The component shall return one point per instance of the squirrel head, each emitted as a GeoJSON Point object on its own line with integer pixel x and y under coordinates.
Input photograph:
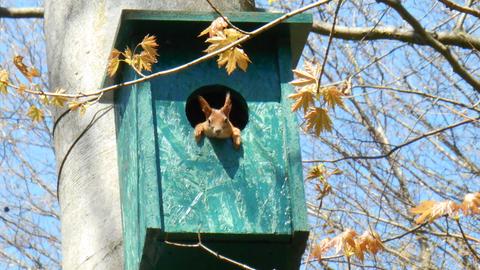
{"type": "Point", "coordinates": [217, 119]}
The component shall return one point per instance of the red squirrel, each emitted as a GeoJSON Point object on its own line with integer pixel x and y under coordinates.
{"type": "Point", "coordinates": [218, 123]}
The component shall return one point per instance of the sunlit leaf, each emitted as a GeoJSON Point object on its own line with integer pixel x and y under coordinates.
{"type": "Point", "coordinates": [150, 45]}
{"type": "Point", "coordinates": [44, 99]}
{"type": "Point", "coordinates": [431, 210]}
{"type": "Point", "coordinates": [113, 62]}
{"type": "Point", "coordinates": [59, 101]}
{"type": "Point", "coordinates": [77, 105]}
{"type": "Point", "coordinates": [332, 96]}
{"type": "Point", "coordinates": [304, 99]}
{"type": "Point", "coordinates": [128, 55]}
{"type": "Point", "coordinates": [3, 81]}
{"type": "Point", "coordinates": [318, 121]}
{"type": "Point", "coordinates": [232, 58]}
{"type": "Point", "coordinates": [28, 72]}
{"type": "Point", "coordinates": [35, 114]}
{"type": "Point", "coordinates": [21, 89]}
{"type": "Point", "coordinates": [303, 78]}
{"type": "Point", "coordinates": [343, 242]}
{"type": "Point", "coordinates": [370, 242]}
{"type": "Point", "coordinates": [215, 27]}
{"type": "Point", "coordinates": [145, 61]}
{"type": "Point", "coordinates": [336, 171]}
{"type": "Point", "coordinates": [471, 204]}
{"type": "Point", "coordinates": [317, 171]}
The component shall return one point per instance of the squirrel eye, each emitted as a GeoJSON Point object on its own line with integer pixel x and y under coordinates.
{"type": "Point", "coordinates": [209, 121]}
{"type": "Point", "coordinates": [225, 120]}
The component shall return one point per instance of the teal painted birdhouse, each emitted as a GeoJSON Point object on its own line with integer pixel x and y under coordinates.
{"type": "Point", "coordinates": [244, 200]}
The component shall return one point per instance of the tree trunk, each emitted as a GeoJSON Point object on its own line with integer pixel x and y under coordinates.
{"type": "Point", "coordinates": [80, 34]}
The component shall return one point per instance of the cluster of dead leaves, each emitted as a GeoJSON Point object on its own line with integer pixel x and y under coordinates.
{"type": "Point", "coordinates": [29, 73]}
{"type": "Point", "coordinates": [57, 99]}
{"type": "Point", "coordinates": [431, 210]}
{"type": "Point", "coordinates": [350, 243]}
{"type": "Point", "coordinates": [221, 36]}
{"type": "Point", "coordinates": [139, 61]}
{"type": "Point", "coordinates": [315, 101]}
{"type": "Point", "coordinates": [319, 172]}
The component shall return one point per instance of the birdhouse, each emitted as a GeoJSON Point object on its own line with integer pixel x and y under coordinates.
{"type": "Point", "coordinates": [247, 204]}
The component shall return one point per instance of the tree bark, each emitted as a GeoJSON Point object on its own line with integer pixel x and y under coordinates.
{"type": "Point", "coordinates": [79, 35]}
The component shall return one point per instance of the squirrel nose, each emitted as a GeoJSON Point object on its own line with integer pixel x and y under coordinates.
{"type": "Point", "coordinates": [217, 131]}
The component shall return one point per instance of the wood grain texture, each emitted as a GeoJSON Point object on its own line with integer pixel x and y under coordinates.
{"type": "Point", "coordinates": [245, 196]}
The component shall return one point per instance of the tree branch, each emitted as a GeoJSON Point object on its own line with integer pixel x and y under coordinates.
{"type": "Point", "coordinates": [474, 253]}
{"type": "Point", "coordinates": [200, 245]}
{"type": "Point", "coordinates": [398, 147]}
{"type": "Point", "coordinates": [458, 38]}
{"type": "Point", "coordinates": [452, 5]}
{"type": "Point", "coordinates": [432, 41]}
{"type": "Point", "coordinates": [35, 12]}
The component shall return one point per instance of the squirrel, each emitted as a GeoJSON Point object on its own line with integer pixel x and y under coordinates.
{"type": "Point", "coordinates": [217, 123]}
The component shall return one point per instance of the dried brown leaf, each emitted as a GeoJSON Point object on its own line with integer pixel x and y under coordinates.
{"type": "Point", "coordinates": [149, 44]}
{"type": "Point", "coordinates": [28, 72]}
{"type": "Point", "coordinates": [471, 204]}
{"type": "Point", "coordinates": [317, 119]}
{"type": "Point", "coordinates": [128, 55]}
{"type": "Point", "coordinates": [317, 171]}
{"type": "Point", "coordinates": [35, 114]}
{"type": "Point", "coordinates": [59, 101]}
{"type": "Point", "coordinates": [76, 105]}
{"type": "Point", "coordinates": [332, 96]}
{"type": "Point", "coordinates": [3, 81]}
{"type": "Point", "coordinates": [215, 27]}
{"type": "Point", "coordinates": [304, 99]}
{"type": "Point", "coordinates": [343, 242]}
{"type": "Point", "coordinates": [431, 210]}
{"type": "Point", "coordinates": [113, 62]}
{"type": "Point", "coordinates": [303, 78]}
{"type": "Point", "coordinates": [370, 242]}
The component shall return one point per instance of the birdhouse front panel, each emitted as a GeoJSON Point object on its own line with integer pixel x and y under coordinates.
{"type": "Point", "coordinates": [175, 188]}
{"type": "Point", "coordinates": [210, 186]}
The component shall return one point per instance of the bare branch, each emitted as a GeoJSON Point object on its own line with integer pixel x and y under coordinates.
{"type": "Point", "coordinates": [474, 253]}
{"type": "Point", "coordinates": [35, 12]}
{"type": "Point", "coordinates": [452, 5]}
{"type": "Point", "coordinates": [200, 245]}
{"type": "Point", "coordinates": [457, 38]}
{"type": "Point", "coordinates": [434, 43]}
{"type": "Point", "coordinates": [398, 147]}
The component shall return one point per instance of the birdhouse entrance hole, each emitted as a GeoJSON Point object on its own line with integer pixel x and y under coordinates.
{"type": "Point", "coordinates": [215, 96]}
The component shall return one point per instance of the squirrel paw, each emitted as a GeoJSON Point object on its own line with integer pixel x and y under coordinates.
{"type": "Point", "coordinates": [198, 133]}
{"type": "Point", "coordinates": [237, 139]}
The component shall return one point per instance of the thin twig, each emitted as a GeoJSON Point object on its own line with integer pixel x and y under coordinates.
{"type": "Point", "coordinates": [226, 19]}
{"type": "Point", "coordinates": [200, 245]}
{"type": "Point", "coordinates": [396, 148]}
{"type": "Point", "coordinates": [405, 233]}
{"type": "Point", "coordinates": [199, 60]}
{"type": "Point", "coordinates": [474, 253]}
{"type": "Point", "coordinates": [416, 92]}
{"type": "Point", "coordinates": [330, 39]}
{"type": "Point", "coordinates": [431, 40]}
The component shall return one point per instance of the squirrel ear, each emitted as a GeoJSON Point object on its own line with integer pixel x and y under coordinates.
{"type": "Point", "coordinates": [227, 107]}
{"type": "Point", "coordinates": [206, 109]}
